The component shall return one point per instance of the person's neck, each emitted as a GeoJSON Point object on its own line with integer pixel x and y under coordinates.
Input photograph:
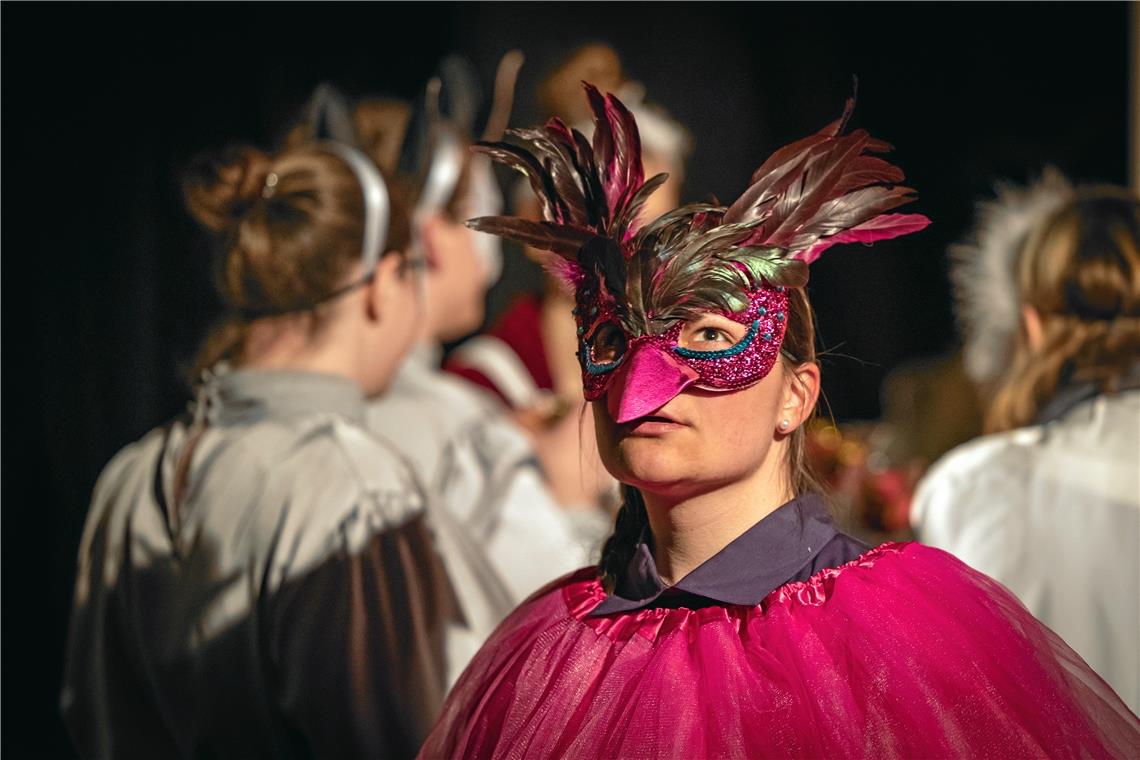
{"type": "Point", "coordinates": [690, 529]}
{"type": "Point", "coordinates": [284, 347]}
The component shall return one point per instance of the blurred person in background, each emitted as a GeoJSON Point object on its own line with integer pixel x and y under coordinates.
{"type": "Point", "coordinates": [470, 453]}
{"type": "Point", "coordinates": [728, 616]}
{"type": "Point", "coordinates": [528, 355]}
{"type": "Point", "coordinates": [1048, 502]}
{"type": "Point", "coordinates": [260, 578]}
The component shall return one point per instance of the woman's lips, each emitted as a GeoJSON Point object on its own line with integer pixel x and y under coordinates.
{"type": "Point", "coordinates": [652, 425]}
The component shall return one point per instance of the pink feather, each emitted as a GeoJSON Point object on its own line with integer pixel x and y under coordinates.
{"type": "Point", "coordinates": [565, 272]}
{"type": "Point", "coordinates": [882, 227]}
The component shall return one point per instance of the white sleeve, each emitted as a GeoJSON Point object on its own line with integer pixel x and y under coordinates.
{"type": "Point", "coordinates": [492, 481]}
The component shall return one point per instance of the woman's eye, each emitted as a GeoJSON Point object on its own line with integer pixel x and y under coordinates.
{"type": "Point", "coordinates": [711, 335]}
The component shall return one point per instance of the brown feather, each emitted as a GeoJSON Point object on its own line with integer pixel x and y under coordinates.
{"type": "Point", "coordinates": [548, 236]}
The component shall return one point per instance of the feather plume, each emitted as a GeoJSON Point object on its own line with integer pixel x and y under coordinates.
{"type": "Point", "coordinates": [591, 192]}
{"type": "Point", "coordinates": [688, 263]}
{"type": "Point", "coordinates": [815, 193]}
{"type": "Point", "coordinates": [566, 273]}
{"type": "Point", "coordinates": [824, 186]}
{"type": "Point", "coordinates": [883, 227]}
{"type": "Point", "coordinates": [525, 163]}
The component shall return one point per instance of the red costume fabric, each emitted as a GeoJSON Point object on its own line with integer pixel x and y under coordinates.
{"type": "Point", "coordinates": [518, 328]}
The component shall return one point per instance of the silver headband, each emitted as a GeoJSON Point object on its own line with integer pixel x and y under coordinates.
{"type": "Point", "coordinates": [447, 156]}
{"type": "Point", "coordinates": [377, 208]}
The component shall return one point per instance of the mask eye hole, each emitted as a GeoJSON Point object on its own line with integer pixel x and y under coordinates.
{"type": "Point", "coordinates": [714, 337]}
{"type": "Point", "coordinates": [607, 345]}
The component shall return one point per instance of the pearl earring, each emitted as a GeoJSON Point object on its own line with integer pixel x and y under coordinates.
{"type": "Point", "coordinates": [784, 424]}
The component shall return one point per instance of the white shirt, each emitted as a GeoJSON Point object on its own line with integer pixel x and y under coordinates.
{"type": "Point", "coordinates": [1053, 512]}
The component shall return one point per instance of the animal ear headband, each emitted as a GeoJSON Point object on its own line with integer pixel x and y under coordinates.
{"type": "Point", "coordinates": [435, 149]}
{"type": "Point", "coordinates": [638, 287]}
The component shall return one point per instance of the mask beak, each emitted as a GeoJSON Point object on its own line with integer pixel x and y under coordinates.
{"type": "Point", "coordinates": [647, 381]}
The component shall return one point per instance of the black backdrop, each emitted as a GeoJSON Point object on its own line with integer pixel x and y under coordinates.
{"type": "Point", "coordinates": [108, 287]}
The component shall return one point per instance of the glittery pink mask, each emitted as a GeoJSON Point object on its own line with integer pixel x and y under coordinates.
{"type": "Point", "coordinates": [643, 373]}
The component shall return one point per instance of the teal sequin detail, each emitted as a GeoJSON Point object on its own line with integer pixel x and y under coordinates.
{"type": "Point", "coordinates": [588, 364]}
{"type": "Point", "coordinates": [724, 353]}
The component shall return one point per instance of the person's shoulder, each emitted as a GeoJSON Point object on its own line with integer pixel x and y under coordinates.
{"type": "Point", "coordinates": [464, 401]}
{"type": "Point", "coordinates": [988, 464]}
{"type": "Point", "coordinates": [337, 467]}
{"type": "Point", "coordinates": [448, 401]}
{"type": "Point", "coordinates": [342, 443]}
{"type": "Point", "coordinates": [930, 567]}
{"type": "Point", "coordinates": [890, 570]}
{"type": "Point", "coordinates": [983, 453]}
{"type": "Point", "coordinates": [457, 367]}
{"type": "Point", "coordinates": [335, 490]}
{"type": "Point", "coordinates": [558, 598]}
{"type": "Point", "coordinates": [131, 461]}
{"type": "Point", "coordinates": [122, 486]}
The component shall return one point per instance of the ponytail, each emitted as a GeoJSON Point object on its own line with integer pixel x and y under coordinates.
{"type": "Point", "coordinates": [632, 521]}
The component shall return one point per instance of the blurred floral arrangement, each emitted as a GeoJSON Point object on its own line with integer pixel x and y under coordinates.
{"type": "Point", "coordinates": [852, 462]}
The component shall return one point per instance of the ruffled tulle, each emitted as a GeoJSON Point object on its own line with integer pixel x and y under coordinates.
{"type": "Point", "coordinates": [904, 652]}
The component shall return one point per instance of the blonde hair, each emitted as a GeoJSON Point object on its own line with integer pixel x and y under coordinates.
{"type": "Point", "coordinates": [1080, 272]}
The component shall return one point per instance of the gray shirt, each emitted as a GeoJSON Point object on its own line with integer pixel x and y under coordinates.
{"type": "Point", "coordinates": [257, 581]}
{"type": "Point", "coordinates": [484, 472]}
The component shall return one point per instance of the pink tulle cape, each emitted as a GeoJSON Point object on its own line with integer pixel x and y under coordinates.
{"type": "Point", "coordinates": [904, 652]}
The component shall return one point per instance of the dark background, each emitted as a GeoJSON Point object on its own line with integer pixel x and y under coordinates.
{"type": "Point", "coordinates": [107, 286]}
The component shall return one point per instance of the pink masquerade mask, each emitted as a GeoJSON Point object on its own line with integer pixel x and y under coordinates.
{"type": "Point", "coordinates": [643, 373]}
{"type": "Point", "coordinates": [637, 288]}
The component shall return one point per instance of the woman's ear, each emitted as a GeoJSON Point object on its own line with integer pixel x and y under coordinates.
{"type": "Point", "coordinates": [383, 290]}
{"type": "Point", "coordinates": [431, 231]}
{"type": "Point", "coordinates": [1034, 330]}
{"type": "Point", "coordinates": [801, 391]}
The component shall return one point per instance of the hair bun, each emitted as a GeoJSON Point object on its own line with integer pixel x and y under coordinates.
{"type": "Point", "coordinates": [220, 188]}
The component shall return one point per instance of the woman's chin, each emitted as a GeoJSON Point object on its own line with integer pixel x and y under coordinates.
{"type": "Point", "coordinates": [652, 465]}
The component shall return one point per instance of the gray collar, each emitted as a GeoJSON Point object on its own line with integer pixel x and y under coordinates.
{"type": "Point", "coordinates": [419, 368]}
{"type": "Point", "coordinates": [427, 355]}
{"type": "Point", "coordinates": [231, 397]}
{"type": "Point", "coordinates": [765, 556]}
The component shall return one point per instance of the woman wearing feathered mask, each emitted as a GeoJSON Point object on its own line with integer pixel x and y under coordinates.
{"type": "Point", "coordinates": [728, 616]}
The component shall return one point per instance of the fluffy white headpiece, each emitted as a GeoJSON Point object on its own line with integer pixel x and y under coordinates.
{"type": "Point", "coordinates": [983, 269]}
